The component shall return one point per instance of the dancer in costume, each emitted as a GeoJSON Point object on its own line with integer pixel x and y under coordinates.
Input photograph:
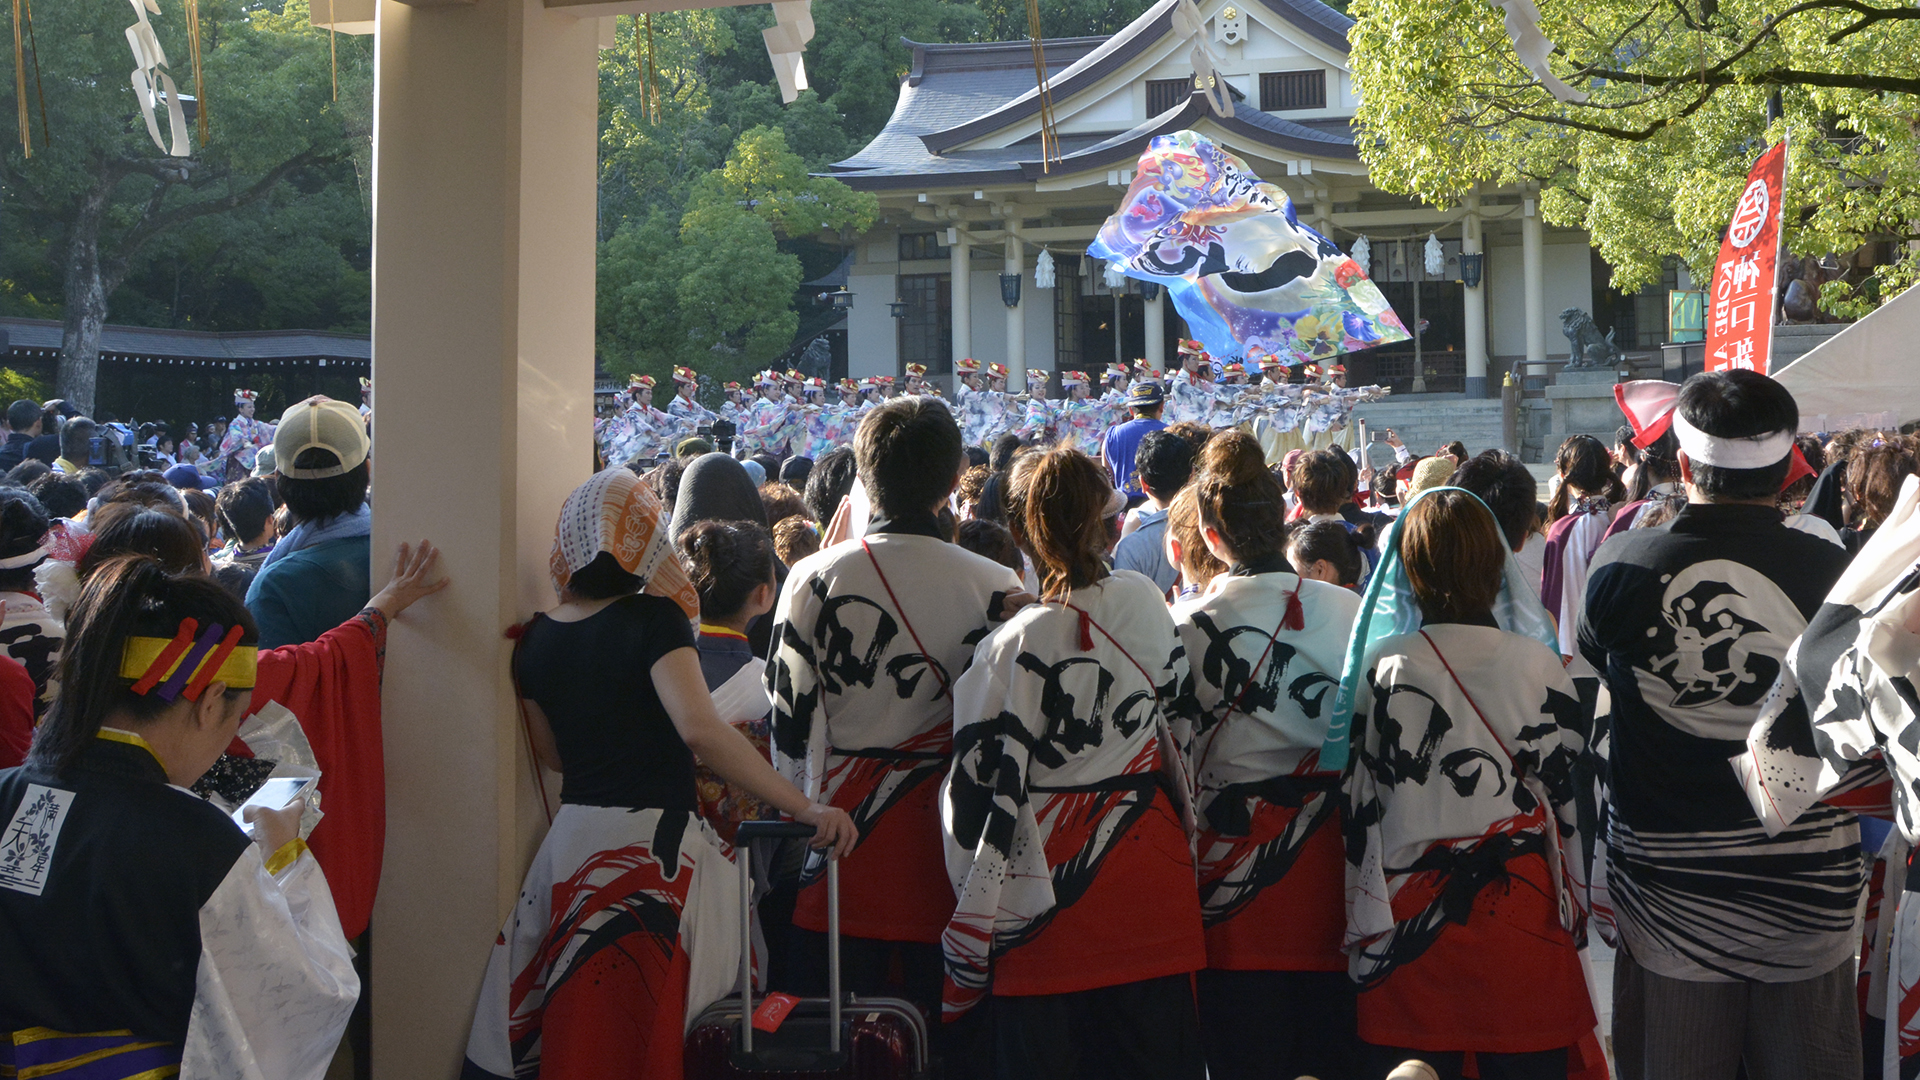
{"type": "Point", "coordinates": [244, 438]}
{"type": "Point", "coordinates": [1077, 925]}
{"type": "Point", "coordinates": [1264, 649]}
{"type": "Point", "coordinates": [148, 934]}
{"type": "Point", "coordinates": [868, 640]}
{"type": "Point", "coordinates": [1465, 879]}
{"type": "Point", "coordinates": [1081, 418]}
{"type": "Point", "coordinates": [688, 413]}
{"type": "Point", "coordinates": [1190, 393]}
{"type": "Point", "coordinates": [1690, 625]}
{"type": "Point", "coordinates": [1037, 416]}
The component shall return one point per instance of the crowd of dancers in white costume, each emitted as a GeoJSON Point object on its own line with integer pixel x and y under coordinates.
{"type": "Point", "coordinates": [789, 414]}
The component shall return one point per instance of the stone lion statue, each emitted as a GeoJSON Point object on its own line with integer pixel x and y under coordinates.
{"type": "Point", "coordinates": [1586, 348]}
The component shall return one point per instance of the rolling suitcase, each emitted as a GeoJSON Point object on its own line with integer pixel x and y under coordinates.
{"type": "Point", "coordinates": [821, 1038]}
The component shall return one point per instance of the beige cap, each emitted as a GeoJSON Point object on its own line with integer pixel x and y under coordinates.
{"type": "Point", "coordinates": [324, 424]}
{"type": "Point", "coordinates": [1430, 472]}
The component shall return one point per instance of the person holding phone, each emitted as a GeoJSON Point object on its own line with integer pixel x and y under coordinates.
{"type": "Point", "coordinates": [631, 891]}
{"type": "Point", "coordinates": [146, 933]}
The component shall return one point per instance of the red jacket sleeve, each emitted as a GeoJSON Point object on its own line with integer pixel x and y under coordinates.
{"type": "Point", "coordinates": [16, 712]}
{"type": "Point", "coordinates": [333, 686]}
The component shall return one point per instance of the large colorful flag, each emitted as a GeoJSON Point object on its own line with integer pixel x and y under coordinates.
{"type": "Point", "coordinates": [1740, 309]}
{"type": "Point", "coordinates": [1250, 280]}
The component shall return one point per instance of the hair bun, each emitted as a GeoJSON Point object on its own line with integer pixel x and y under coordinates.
{"type": "Point", "coordinates": [1233, 457]}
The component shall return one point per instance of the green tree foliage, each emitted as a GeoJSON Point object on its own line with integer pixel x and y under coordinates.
{"type": "Point", "coordinates": [714, 289]}
{"type": "Point", "coordinates": [226, 237]}
{"type": "Point", "coordinates": [709, 227]}
{"type": "Point", "coordinates": [18, 385]}
{"type": "Point", "coordinates": [1652, 164]}
{"type": "Point", "coordinates": [1006, 20]}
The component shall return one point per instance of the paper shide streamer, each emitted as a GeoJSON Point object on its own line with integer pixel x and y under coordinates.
{"type": "Point", "coordinates": [786, 42]}
{"type": "Point", "coordinates": [1533, 47]}
{"type": "Point", "coordinates": [1187, 23]}
{"type": "Point", "coordinates": [150, 81]}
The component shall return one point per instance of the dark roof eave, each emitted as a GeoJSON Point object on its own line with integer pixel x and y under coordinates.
{"type": "Point", "coordinates": [1143, 35]}
{"type": "Point", "coordinates": [1296, 13]}
{"type": "Point", "coordinates": [889, 181]}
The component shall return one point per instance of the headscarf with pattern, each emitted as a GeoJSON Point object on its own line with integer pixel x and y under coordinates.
{"type": "Point", "coordinates": [616, 513]}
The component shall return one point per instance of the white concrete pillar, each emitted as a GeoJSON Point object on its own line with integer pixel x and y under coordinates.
{"type": "Point", "coordinates": [1017, 318]}
{"type": "Point", "coordinates": [960, 250]}
{"type": "Point", "coordinates": [483, 277]}
{"type": "Point", "coordinates": [1533, 273]}
{"type": "Point", "coordinates": [1156, 328]}
{"type": "Point", "coordinates": [1475, 305]}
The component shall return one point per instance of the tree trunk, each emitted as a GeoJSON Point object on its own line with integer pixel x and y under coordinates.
{"type": "Point", "coordinates": [86, 302]}
{"type": "Point", "coordinates": [80, 337]}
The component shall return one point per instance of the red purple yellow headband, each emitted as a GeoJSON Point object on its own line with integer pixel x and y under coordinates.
{"type": "Point", "coordinates": [189, 662]}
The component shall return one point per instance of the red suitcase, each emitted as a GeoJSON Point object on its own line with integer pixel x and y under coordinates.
{"type": "Point", "coordinates": [822, 1038]}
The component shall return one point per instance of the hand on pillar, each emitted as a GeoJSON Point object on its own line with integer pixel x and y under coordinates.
{"type": "Point", "coordinates": [416, 574]}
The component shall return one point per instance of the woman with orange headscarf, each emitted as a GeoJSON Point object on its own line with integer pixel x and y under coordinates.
{"type": "Point", "coordinates": [628, 924]}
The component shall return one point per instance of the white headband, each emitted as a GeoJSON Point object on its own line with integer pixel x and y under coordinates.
{"type": "Point", "coordinates": [1750, 452]}
{"type": "Point", "coordinates": [28, 558]}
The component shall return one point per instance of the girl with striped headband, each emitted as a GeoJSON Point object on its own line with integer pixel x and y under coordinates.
{"type": "Point", "coordinates": [148, 932]}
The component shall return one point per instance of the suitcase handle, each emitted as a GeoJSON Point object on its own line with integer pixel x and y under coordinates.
{"type": "Point", "coordinates": [769, 830]}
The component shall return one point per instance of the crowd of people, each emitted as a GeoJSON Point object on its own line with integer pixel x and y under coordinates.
{"type": "Point", "coordinates": [1137, 756]}
{"type": "Point", "coordinates": [792, 415]}
{"type": "Point", "coordinates": [1159, 759]}
{"type": "Point", "coordinates": [57, 435]}
{"type": "Point", "coordinates": [170, 651]}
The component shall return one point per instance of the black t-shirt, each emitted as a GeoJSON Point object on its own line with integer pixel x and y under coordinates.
{"type": "Point", "coordinates": [593, 679]}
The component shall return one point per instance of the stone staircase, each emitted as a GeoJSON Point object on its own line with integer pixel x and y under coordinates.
{"type": "Point", "coordinates": [1426, 421]}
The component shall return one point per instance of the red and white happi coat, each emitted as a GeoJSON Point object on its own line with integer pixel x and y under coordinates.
{"type": "Point", "coordinates": [1063, 839]}
{"type": "Point", "coordinates": [862, 718]}
{"type": "Point", "coordinates": [1253, 713]}
{"type": "Point", "coordinates": [1462, 848]}
{"type": "Point", "coordinates": [627, 927]}
{"type": "Point", "coordinates": [1842, 726]}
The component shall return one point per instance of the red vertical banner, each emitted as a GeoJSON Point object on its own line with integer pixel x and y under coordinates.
{"type": "Point", "coordinates": [1740, 312]}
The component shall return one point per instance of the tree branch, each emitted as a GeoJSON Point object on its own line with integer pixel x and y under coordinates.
{"type": "Point", "coordinates": [1879, 15]}
{"type": "Point", "coordinates": [1623, 134]}
{"type": "Point", "coordinates": [153, 223]}
{"type": "Point", "coordinates": [1765, 31]}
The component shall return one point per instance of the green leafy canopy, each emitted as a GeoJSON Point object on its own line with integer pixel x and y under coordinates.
{"type": "Point", "coordinates": [1652, 164]}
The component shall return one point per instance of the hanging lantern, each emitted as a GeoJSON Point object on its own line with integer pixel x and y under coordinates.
{"type": "Point", "coordinates": [1471, 267]}
{"type": "Point", "coordinates": [1043, 270]}
{"type": "Point", "coordinates": [1362, 253]}
{"type": "Point", "coordinates": [1436, 256]}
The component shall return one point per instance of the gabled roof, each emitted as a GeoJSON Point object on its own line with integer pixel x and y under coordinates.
{"type": "Point", "coordinates": [951, 84]}
{"type": "Point", "coordinates": [957, 93]}
{"type": "Point", "coordinates": [1263, 128]}
{"type": "Point", "coordinates": [1316, 19]}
